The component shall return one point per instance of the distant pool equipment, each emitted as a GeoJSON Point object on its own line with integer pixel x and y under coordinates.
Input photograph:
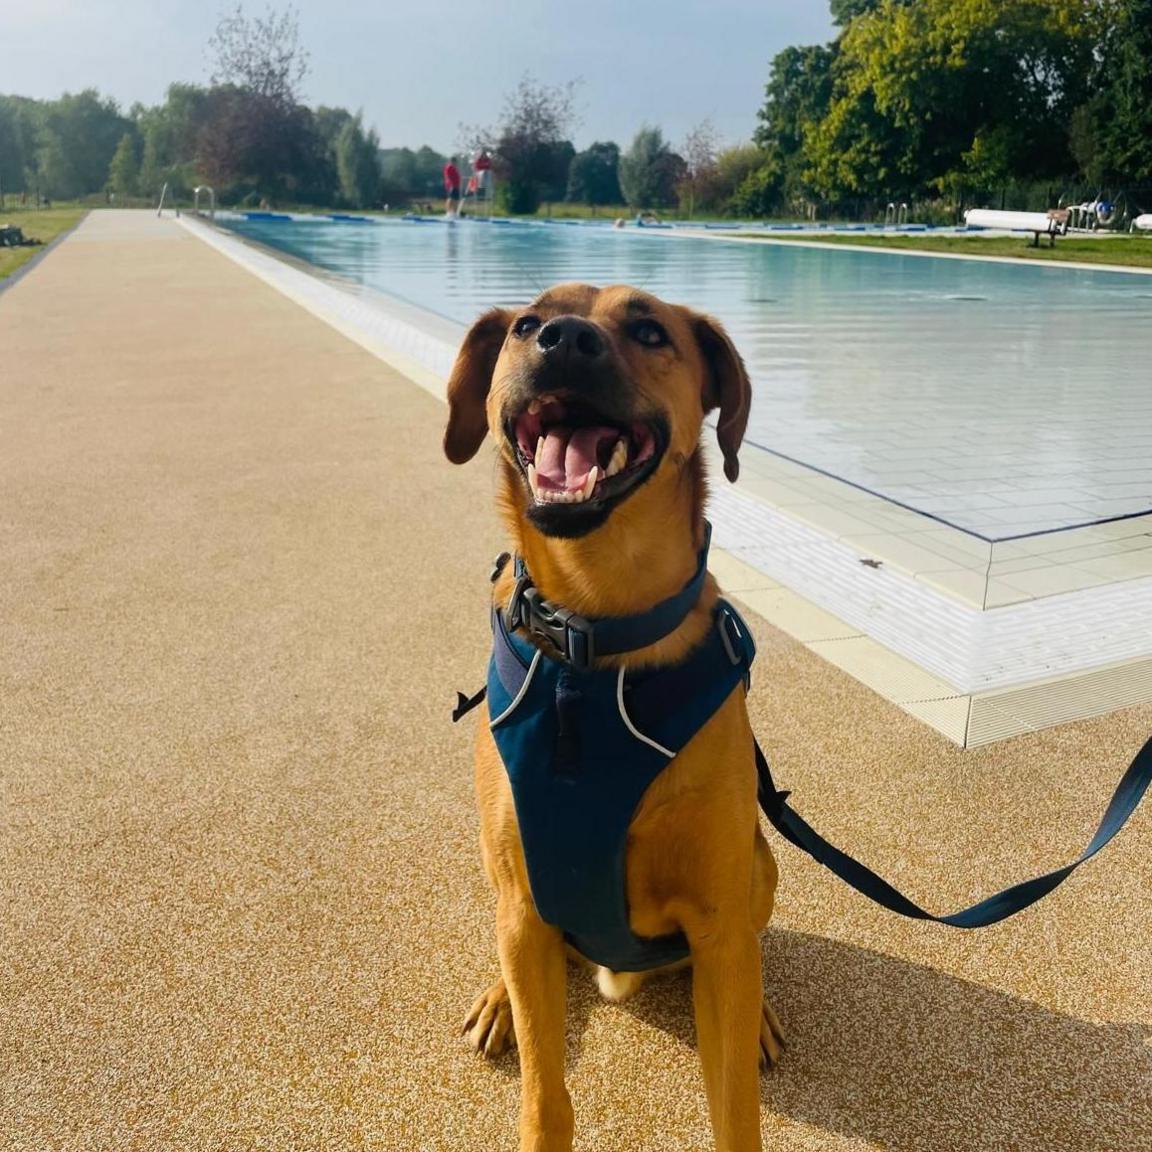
{"type": "Point", "coordinates": [1142, 223]}
{"type": "Point", "coordinates": [896, 216]}
{"type": "Point", "coordinates": [1050, 224]}
{"type": "Point", "coordinates": [211, 200]}
{"type": "Point", "coordinates": [1092, 214]}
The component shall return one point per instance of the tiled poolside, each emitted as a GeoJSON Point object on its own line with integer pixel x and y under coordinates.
{"type": "Point", "coordinates": [968, 513]}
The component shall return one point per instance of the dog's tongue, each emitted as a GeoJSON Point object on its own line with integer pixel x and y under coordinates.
{"type": "Point", "coordinates": [569, 454]}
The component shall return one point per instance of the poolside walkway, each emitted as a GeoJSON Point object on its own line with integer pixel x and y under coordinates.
{"type": "Point", "coordinates": [241, 903]}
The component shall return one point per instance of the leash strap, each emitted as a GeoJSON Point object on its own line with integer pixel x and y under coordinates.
{"type": "Point", "coordinates": [795, 829]}
{"type": "Point", "coordinates": [465, 704]}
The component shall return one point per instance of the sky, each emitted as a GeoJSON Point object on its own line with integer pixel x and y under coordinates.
{"type": "Point", "coordinates": [420, 70]}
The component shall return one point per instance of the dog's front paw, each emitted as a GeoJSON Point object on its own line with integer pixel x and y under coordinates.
{"type": "Point", "coordinates": [489, 1024]}
{"type": "Point", "coordinates": [771, 1037]}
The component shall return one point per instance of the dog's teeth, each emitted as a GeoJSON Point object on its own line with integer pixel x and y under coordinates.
{"type": "Point", "coordinates": [590, 483]}
{"type": "Point", "coordinates": [619, 458]}
{"type": "Point", "coordinates": [539, 450]}
{"type": "Point", "coordinates": [532, 480]}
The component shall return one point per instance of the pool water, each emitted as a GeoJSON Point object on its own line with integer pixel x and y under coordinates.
{"type": "Point", "coordinates": [1003, 399]}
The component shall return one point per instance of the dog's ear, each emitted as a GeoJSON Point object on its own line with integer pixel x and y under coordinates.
{"type": "Point", "coordinates": [726, 386]}
{"type": "Point", "coordinates": [469, 383]}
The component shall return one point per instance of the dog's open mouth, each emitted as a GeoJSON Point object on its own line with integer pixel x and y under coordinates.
{"type": "Point", "coordinates": [571, 454]}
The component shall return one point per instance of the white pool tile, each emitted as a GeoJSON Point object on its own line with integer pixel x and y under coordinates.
{"type": "Point", "coordinates": [903, 551]}
{"type": "Point", "coordinates": [797, 616]}
{"type": "Point", "coordinates": [735, 576]}
{"type": "Point", "coordinates": [1051, 581]}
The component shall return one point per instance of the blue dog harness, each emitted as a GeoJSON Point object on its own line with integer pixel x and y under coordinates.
{"type": "Point", "coordinates": [581, 747]}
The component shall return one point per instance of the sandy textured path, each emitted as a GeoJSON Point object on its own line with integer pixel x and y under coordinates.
{"type": "Point", "coordinates": [241, 904]}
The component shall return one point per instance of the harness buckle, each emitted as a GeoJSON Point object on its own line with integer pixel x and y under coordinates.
{"type": "Point", "coordinates": [570, 634]}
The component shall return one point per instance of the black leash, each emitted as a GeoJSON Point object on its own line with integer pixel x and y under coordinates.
{"type": "Point", "coordinates": [465, 704]}
{"type": "Point", "coordinates": [794, 828]}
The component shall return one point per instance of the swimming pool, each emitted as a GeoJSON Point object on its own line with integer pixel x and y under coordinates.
{"type": "Point", "coordinates": [1003, 400]}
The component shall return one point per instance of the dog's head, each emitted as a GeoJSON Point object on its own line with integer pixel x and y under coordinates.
{"type": "Point", "coordinates": [591, 394]}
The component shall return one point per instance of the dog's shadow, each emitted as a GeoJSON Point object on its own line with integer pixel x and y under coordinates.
{"type": "Point", "coordinates": [910, 1058]}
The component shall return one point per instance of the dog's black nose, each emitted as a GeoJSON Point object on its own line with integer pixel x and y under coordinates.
{"type": "Point", "coordinates": [570, 338]}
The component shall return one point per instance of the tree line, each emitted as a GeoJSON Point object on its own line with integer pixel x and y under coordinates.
{"type": "Point", "coordinates": [1013, 102]}
{"type": "Point", "coordinates": [937, 102]}
{"type": "Point", "coordinates": [253, 148]}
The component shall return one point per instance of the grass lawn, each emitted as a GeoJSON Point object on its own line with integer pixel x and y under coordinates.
{"type": "Point", "coordinates": [43, 225]}
{"type": "Point", "coordinates": [1123, 250]}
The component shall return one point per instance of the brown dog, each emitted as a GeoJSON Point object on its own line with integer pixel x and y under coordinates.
{"type": "Point", "coordinates": [595, 398]}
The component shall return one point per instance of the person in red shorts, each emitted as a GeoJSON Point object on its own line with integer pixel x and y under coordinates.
{"type": "Point", "coordinates": [451, 187]}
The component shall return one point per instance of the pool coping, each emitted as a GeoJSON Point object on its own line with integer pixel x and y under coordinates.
{"type": "Point", "coordinates": [847, 246]}
{"type": "Point", "coordinates": [972, 671]}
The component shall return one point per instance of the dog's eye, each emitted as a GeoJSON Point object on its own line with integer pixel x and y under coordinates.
{"type": "Point", "coordinates": [525, 325]}
{"type": "Point", "coordinates": [649, 333]}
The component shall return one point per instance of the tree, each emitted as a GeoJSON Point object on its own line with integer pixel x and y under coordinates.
{"type": "Point", "coordinates": [13, 156]}
{"type": "Point", "coordinates": [407, 175]}
{"type": "Point", "coordinates": [358, 163]}
{"type": "Point", "coordinates": [75, 140]}
{"type": "Point", "coordinates": [797, 99]}
{"type": "Point", "coordinates": [255, 133]}
{"type": "Point", "coordinates": [261, 54]}
{"type": "Point", "coordinates": [1116, 124]}
{"type": "Point", "coordinates": [747, 181]}
{"type": "Point", "coordinates": [124, 171]}
{"type": "Point", "coordinates": [941, 94]}
{"type": "Point", "coordinates": [649, 171]}
{"type": "Point", "coordinates": [760, 191]}
{"type": "Point", "coordinates": [252, 141]}
{"type": "Point", "coordinates": [845, 11]}
{"type": "Point", "coordinates": [531, 146]}
{"type": "Point", "coordinates": [699, 180]}
{"type": "Point", "coordinates": [170, 134]}
{"type": "Point", "coordinates": [151, 176]}
{"type": "Point", "coordinates": [593, 175]}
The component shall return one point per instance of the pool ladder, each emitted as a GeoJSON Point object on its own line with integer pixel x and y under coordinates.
{"type": "Point", "coordinates": [195, 200]}
{"type": "Point", "coordinates": [895, 216]}
{"type": "Point", "coordinates": [211, 200]}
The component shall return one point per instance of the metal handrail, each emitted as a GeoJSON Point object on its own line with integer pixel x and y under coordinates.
{"type": "Point", "coordinates": [211, 200]}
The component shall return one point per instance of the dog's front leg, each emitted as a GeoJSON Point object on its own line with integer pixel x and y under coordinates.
{"type": "Point", "coordinates": [727, 991]}
{"type": "Point", "coordinates": [533, 963]}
